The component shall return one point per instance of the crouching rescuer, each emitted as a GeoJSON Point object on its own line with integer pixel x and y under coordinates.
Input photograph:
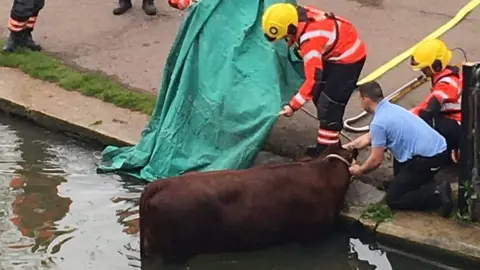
{"type": "Point", "coordinates": [442, 107]}
{"type": "Point", "coordinates": [333, 57]}
{"type": "Point", "coordinates": [419, 152]}
{"type": "Point", "coordinates": [23, 17]}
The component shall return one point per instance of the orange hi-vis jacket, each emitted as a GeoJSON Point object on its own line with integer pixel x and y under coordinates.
{"type": "Point", "coordinates": [447, 88]}
{"type": "Point", "coordinates": [180, 4]}
{"type": "Point", "coordinates": [323, 37]}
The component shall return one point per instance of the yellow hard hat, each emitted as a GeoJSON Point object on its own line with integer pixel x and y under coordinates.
{"type": "Point", "coordinates": [276, 20]}
{"type": "Point", "coordinates": [431, 53]}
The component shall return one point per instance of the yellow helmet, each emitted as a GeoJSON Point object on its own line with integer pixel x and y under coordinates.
{"type": "Point", "coordinates": [276, 20]}
{"type": "Point", "coordinates": [431, 53]}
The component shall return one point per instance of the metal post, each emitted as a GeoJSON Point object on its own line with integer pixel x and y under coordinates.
{"type": "Point", "coordinates": [475, 208]}
{"type": "Point", "coordinates": [469, 186]}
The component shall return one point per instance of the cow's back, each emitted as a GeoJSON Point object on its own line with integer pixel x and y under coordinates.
{"type": "Point", "coordinates": [241, 210]}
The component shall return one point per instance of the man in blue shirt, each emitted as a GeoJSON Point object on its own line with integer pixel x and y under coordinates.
{"type": "Point", "coordinates": [418, 149]}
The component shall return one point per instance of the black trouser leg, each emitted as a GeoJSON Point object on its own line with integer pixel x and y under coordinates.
{"type": "Point", "coordinates": [37, 7]}
{"type": "Point", "coordinates": [28, 39]}
{"type": "Point", "coordinates": [17, 24]}
{"type": "Point", "coordinates": [22, 10]}
{"type": "Point", "coordinates": [413, 186]}
{"type": "Point", "coordinates": [340, 80]}
{"type": "Point", "coordinates": [448, 128]}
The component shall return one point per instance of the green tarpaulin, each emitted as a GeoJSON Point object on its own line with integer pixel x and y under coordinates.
{"type": "Point", "coordinates": [222, 89]}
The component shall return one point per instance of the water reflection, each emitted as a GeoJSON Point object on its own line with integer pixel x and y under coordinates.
{"type": "Point", "coordinates": [54, 206]}
{"type": "Point", "coordinates": [37, 207]}
{"type": "Point", "coordinates": [128, 217]}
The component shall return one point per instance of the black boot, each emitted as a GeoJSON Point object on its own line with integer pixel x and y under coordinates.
{"type": "Point", "coordinates": [149, 7]}
{"type": "Point", "coordinates": [28, 41]}
{"type": "Point", "coordinates": [444, 191]}
{"type": "Point", "coordinates": [315, 151]}
{"type": "Point", "coordinates": [123, 6]}
{"type": "Point", "coordinates": [14, 41]}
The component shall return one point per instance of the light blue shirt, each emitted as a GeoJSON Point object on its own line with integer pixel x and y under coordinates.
{"type": "Point", "coordinates": [404, 134]}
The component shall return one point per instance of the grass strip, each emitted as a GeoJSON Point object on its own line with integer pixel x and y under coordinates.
{"type": "Point", "coordinates": [378, 212]}
{"type": "Point", "coordinates": [46, 68]}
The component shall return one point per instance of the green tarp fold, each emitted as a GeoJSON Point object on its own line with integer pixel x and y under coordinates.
{"type": "Point", "coordinates": [222, 89]}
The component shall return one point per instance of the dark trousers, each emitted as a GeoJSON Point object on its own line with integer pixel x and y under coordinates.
{"type": "Point", "coordinates": [23, 10]}
{"type": "Point", "coordinates": [448, 128]}
{"type": "Point", "coordinates": [338, 83]}
{"type": "Point", "coordinates": [413, 186]}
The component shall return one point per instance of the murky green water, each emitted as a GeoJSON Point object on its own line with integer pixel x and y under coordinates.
{"type": "Point", "coordinates": [61, 215]}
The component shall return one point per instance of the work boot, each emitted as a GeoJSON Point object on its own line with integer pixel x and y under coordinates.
{"type": "Point", "coordinates": [13, 42]}
{"type": "Point", "coordinates": [123, 6]}
{"type": "Point", "coordinates": [315, 151]}
{"type": "Point", "coordinates": [149, 7]}
{"type": "Point", "coordinates": [28, 41]}
{"type": "Point", "coordinates": [445, 192]}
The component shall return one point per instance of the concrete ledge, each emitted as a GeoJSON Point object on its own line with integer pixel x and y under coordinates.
{"type": "Point", "coordinates": [55, 108]}
{"type": "Point", "coordinates": [83, 117]}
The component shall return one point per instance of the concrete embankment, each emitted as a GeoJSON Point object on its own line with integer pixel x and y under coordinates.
{"type": "Point", "coordinates": [88, 118]}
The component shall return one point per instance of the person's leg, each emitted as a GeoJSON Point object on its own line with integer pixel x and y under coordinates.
{"type": "Point", "coordinates": [29, 42]}
{"type": "Point", "coordinates": [122, 7]}
{"type": "Point", "coordinates": [396, 169]}
{"type": "Point", "coordinates": [450, 130]}
{"type": "Point", "coordinates": [339, 86]}
{"type": "Point", "coordinates": [312, 151]}
{"type": "Point", "coordinates": [19, 15]}
{"type": "Point", "coordinates": [443, 189]}
{"type": "Point", "coordinates": [414, 188]}
{"type": "Point", "coordinates": [406, 192]}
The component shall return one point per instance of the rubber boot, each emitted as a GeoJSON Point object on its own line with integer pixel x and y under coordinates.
{"type": "Point", "coordinates": [315, 151]}
{"type": "Point", "coordinates": [149, 7]}
{"type": "Point", "coordinates": [123, 6]}
{"type": "Point", "coordinates": [444, 191]}
{"type": "Point", "coordinates": [13, 42]}
{"type": "Point", "coordinates": [28, 41]}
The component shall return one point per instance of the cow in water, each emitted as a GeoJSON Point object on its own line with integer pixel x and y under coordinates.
{"type": "Point", "coordinates": [241, 210]}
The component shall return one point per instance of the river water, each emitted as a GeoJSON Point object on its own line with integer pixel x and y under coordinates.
{"type": "Point", "coordinates": [57, 213]}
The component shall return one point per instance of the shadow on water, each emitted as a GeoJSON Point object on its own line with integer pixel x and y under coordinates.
{"type": "Point", "coordinates": [56, 212]}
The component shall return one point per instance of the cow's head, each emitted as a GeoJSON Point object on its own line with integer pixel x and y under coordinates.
{"type": "Point", "coordinates": [349, 155]}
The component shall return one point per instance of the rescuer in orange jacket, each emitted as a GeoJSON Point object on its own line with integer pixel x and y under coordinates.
{"type": "Point", "coordinates": [442, 107]}
{"type": "Point", "coordinates": [333, 57]}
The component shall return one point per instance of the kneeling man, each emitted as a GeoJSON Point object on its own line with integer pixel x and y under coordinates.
{"type": "Point", "coordinates": [419, 152]}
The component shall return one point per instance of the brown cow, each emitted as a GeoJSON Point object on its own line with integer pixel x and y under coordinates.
{"type": "Point", "coordinates": [239, 210]}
